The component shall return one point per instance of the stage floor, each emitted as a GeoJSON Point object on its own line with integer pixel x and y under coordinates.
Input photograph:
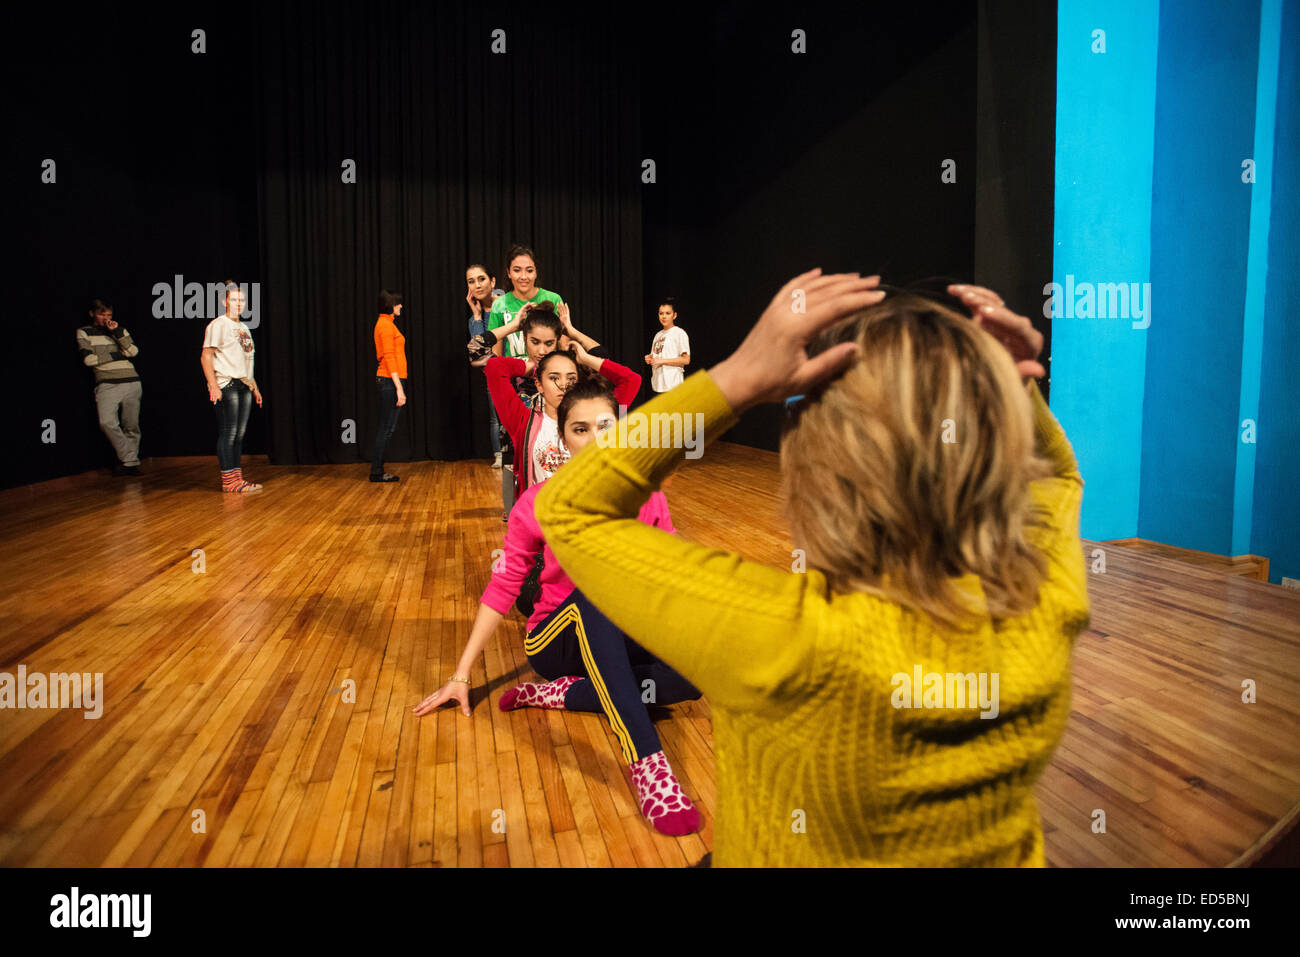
{"type": "Point", "coordinates": [257, 711]}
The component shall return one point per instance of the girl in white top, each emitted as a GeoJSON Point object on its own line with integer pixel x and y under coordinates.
{"type": "Point", "coordinates": [227, 360]}
{"type": "Point", "coordinates": [670, 352]}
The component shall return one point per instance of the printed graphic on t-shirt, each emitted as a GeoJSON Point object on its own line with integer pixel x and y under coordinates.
{"type": "Point", "coordinates": [503, 312]}
{"type": "Point", "coordinates": [515, 340]}
{"type": "Point", "coordinates": [548, 455]}
{"type": "Point", "coordinates": [665, 377]}
{"type": "Point", "coordinates": [246, 341]}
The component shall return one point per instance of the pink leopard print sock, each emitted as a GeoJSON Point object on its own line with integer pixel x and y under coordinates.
{"type": "Point", "coordinates": [663, 802]}
{"type": "Point", "coordinates": [532, 694]}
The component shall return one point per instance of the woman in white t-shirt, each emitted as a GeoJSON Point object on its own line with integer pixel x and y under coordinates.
{"type": "Point", "coordinates": [227, 360]}
{"type": "Point", "coordinates": [670, 352]}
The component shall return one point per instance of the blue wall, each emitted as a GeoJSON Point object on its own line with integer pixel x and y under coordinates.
{"type": "Point", "coordinates": [1200, 230]}
{"type": "Point", "coordinates": [1105, 127]}
{"type": "Point", "coordinates": [1151, 135]}
{"type": "Point", "coordinates": [1275, 526]}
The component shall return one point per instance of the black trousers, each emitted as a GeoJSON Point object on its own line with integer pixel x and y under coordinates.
{"type": "Point", "coordinates": [622, 677]}
{"type": "Point", "coordinates": [388, 413]}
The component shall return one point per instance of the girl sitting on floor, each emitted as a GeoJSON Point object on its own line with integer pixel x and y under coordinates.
{"type": "Point", "coordinates": [590, 664]}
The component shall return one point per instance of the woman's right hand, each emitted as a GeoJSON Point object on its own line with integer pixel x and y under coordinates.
{"type": "Point", "coordinates": [401, 398]}
{"type": "Point", "coordinates": [457, 691]}
{"type": "Point", "coordinates": [772, 362]}
{"type": "Point", "coordinates": [475, 306]}
{"type": "Point", "coordinates": [214, 394]}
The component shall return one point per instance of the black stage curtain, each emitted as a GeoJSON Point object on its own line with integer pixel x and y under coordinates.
{"type": "Point", "coordinates": [1016, 144]}
{"type": "Point", "coordinates": [829, 158]}
{"type": "Point", "coordinates": [155, 178]}
{"type": "Point", "coordinates": [459, 152]}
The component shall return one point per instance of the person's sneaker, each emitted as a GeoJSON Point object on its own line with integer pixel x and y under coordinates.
{"type": "Point", "coordinates": [130, 470]}
{"type": "Point", "coordinates": [496, 461]}
{"type": "Point", "coordinates": [383, 478]}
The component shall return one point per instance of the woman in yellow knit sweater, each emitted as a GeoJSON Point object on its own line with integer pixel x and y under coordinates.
{"type": "Point", "coordinates": [894, 704]}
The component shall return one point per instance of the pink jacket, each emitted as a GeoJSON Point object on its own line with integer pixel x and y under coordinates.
{"type": "Point", "coordinates": [524, 540]}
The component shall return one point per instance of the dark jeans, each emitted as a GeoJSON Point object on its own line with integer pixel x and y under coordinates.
{"type": "Point", "coordinates": [232, 418]}
{"type": "Point", "coordinates": [622, 677]}
{"type": "Point", "coordinates": [494, 426]}
{"type": "Point", "coordinates": [388, 412]}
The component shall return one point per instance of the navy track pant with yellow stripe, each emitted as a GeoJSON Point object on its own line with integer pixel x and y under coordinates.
{"type": "Point", "coordinates": [622, 677]}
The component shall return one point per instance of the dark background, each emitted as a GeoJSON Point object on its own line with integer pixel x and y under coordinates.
{"type": "Point", "coordinates": [228, 165]}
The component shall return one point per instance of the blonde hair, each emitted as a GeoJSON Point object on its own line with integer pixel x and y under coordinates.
{"type": "Point", "coordinates": [913, 468]}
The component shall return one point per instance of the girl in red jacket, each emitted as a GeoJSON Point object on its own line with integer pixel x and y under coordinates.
{"type": "Point", "coordinates": [533, 430]}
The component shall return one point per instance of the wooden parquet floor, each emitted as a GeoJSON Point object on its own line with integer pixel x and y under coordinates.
{"type": "Point", "coordinates": [256, 712]}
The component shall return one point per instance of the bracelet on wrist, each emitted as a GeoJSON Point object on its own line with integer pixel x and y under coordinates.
{"type": "Point", "coordinates": [454, 678]}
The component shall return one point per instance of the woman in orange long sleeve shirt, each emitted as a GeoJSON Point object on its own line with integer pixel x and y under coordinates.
{"type": "Point", "coordinates": [390, 378]}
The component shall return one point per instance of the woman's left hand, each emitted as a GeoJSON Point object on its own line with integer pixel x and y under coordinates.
{"type": "Point", "coordinates": [257, 397]}
{"type": "Point", "coordinates": [1016, 333]}
{"type": "Point", "coordinates": [772, 363]}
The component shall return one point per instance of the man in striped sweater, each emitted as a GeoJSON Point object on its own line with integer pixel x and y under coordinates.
{"type": "Point", "coordinates": [107, 348]}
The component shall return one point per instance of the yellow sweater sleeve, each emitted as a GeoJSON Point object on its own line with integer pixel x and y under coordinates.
{"type": "Point", "coordinates": [741, 632]}
{"type": "Point", "coordinates": [1058, 500]}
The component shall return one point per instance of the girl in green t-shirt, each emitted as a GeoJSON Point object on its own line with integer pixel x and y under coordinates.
{"type": "Point", "coordinates": [521, 270]}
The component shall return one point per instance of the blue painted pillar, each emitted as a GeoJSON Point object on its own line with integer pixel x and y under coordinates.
{"type": "Point", "coordinates": [1105, 128]}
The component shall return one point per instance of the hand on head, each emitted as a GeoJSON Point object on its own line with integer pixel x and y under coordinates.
{"type": "Point", "coordinates": [772, 363]}
{"type": "Point", "coordinates": [1016, 333]}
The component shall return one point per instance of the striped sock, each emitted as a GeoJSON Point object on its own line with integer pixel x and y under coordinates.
{"type": "Point", "coordinates": [233, 481]}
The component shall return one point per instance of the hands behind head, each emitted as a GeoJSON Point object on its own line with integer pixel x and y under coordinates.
{"type": "Point", "coordinates": [772, 363]}
{"type": "Point", "coordinates": [1016, 333]}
